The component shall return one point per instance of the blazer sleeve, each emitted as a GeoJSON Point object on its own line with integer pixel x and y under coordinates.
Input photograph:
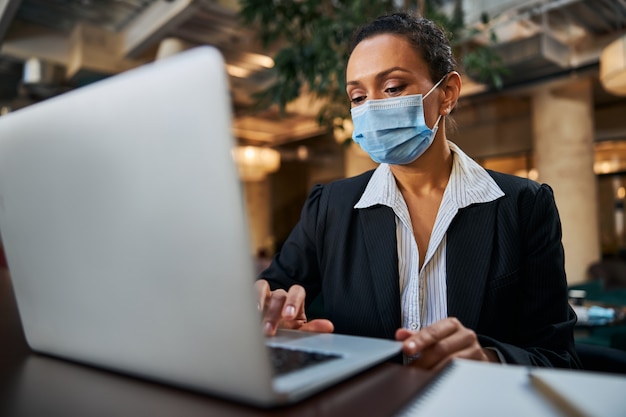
{"type": "Point", "coordinates": [544, 318]}
{"type": "Point", "coordinates": [297, 261]}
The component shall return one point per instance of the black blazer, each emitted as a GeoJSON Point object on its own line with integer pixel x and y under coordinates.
{"type": "Point", "coordinates": [505, 268]}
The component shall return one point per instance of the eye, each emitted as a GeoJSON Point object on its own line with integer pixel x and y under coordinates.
{"type": "Point", "coordinates": [357, 100]}
{"type": "Point", "coordinates": [395, 89]}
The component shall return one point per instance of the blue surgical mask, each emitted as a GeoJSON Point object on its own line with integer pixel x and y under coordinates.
{"type": "Point", "coordinates": [393, 130]}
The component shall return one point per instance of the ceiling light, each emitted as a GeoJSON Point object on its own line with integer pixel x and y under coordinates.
{"type": "Point", "coordinates": [613, 67]}
{"type": "Point", "coordinates": [236, 71]}
{"type": "Point", "coordinates": [261, 60]}
{"type": "Point", "coordinates": [255, 162]}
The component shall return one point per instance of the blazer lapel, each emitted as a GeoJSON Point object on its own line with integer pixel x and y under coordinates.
{"type": "Point", "coordinates": [379, 231]}
{"type": "Point", "coordinates": [469, 247]}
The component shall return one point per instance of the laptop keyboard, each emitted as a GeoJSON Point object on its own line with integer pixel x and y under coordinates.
{"type": "Point", "coordinates": [287, 360]}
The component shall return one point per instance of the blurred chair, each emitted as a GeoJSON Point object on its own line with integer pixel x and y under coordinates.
{"type": "Point", "coordinates": [606, 287]}
{"type": "Point", "coordinates": [611, 272]}
{"type": "Point", "coordinates": [601, 358]}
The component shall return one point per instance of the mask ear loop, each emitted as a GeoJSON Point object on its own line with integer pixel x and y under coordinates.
{"type": "Point", "coordinates": [436, 126]}
{"type": "Point", "coordinates": [434, 86]}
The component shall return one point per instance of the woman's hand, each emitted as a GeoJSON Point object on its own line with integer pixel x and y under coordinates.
{"type": "Point", "coordinates": [285, 309]}
{"type": "Point", "coordinates": [438, 344]}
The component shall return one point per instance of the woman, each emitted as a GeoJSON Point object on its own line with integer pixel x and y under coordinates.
{"type": "Point", "coordinates": [429, 248]}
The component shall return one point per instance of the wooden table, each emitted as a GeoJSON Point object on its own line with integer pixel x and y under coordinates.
{"type": "Point", "coordinates": [37, 385]}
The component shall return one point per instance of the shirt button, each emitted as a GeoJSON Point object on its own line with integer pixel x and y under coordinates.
{"type": "Point", "coordinates": [414, 326]}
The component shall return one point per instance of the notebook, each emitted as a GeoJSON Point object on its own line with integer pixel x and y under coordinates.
{"type": "Point", "coordinates": [124, 228]}
{"type": "Point", "coordinates": [468, 388]}
{"type": "Point", "coordinates": [582, 393]}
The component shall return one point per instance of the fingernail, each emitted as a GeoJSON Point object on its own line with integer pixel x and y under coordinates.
{"type": "Point", "coordinates": [412, 346]}
{"type": "Point", "coordinates": [268, 327]}
{"type": "Point", "coordinates": [290, 311]}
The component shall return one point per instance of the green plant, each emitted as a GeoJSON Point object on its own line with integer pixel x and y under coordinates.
{"type": "Point", "coordinates": [314, 36]}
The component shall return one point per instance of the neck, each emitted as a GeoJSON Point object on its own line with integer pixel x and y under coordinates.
{"type": "Point", "coordinates": [429, 173]}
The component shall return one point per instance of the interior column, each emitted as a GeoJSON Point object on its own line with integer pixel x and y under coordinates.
{"type": "Point", "coordinates": [563, 134]}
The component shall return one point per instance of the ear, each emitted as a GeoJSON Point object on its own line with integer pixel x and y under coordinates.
{"type": "Point", "coordinates": [451, 90]}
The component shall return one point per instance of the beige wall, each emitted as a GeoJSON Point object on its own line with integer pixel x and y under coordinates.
{"type": "Point", "coordinates": [495, 126]}
{"type": "Point", "coordinates": [257, 196]}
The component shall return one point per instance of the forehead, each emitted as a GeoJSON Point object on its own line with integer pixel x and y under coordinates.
{"type": "Point", "coordinates": [381, 52]}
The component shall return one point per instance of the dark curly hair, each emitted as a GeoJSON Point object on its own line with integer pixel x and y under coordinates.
{"type": "Point", "coordinates": [428, 39]}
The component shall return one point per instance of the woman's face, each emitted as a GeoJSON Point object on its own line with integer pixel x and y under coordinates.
{"type": "Point", "coordinates": [385, 66]}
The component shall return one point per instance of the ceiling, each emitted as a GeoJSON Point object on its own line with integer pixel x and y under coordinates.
{"type": "Point", "coordinates": [114, 35]}
{"type": "Point", "coordinates": [79, 41]}
{"type": "Point", "coordinates": [548, 38]}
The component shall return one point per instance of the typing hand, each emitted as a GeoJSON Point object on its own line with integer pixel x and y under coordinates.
{"type": "Point", "coordinates": [441, 342]}
{"type": "Point", "coordinates": [285, 309]}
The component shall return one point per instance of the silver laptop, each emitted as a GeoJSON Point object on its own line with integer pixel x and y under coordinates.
{"type": "Point", "coordinates": [123, 223]}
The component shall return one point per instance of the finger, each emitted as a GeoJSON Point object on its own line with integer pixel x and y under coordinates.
{"type": "Point", "coordinates": [318, 326]}
{"type": "Point", "coordinates": [293, 306]}
{"type": "Point", "coordinates": [263, 293]}
{"type": "Point", "coordinates": [273, 311]}
{"type": "Point", "coordinates": [469, 353]}
{"type": "Point", "coordinates": [403, 334]}
{"type": "Point", "coordinates": [291, 324]}
{"type": "Point", "coordinates": [461, 344]}
{"type": "Point", "coordinates": [429, 336]}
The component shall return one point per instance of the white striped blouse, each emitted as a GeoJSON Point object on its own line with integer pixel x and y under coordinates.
{"type": "Point", "coordinates": [423, 293]}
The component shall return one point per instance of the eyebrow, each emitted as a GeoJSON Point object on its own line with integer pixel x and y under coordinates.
{"type": "Point", "coordinates": [381, 74]}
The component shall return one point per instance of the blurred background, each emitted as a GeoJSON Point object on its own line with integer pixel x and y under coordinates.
{"type": "Point", "coordinates": [544, 92]}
